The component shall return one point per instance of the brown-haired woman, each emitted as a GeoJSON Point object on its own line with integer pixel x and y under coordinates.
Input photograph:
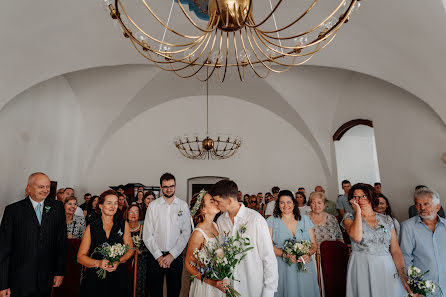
{"type": "Point", "coordinates": [132, 216]}
{"type": "Point", "coordinates": [203, 211]}
{"type": "Point", "coordinates": [288, 223]}
{"type": "Point", "coordinates": [111, 230]}
{"type": "Point", "coordinates": [75, 224]}
{"type": "Point", "coordinates": [149, 197]}
{"type": "Point", "coordinates": [376, 256]}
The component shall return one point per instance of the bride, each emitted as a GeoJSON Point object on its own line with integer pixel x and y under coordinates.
{"type": "Point", "coordinates": [203, 211]}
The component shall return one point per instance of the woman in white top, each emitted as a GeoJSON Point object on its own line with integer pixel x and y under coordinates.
{"type": "Point", "coordinates": [203, 211]}
{"type": "Point", "coordinates": [302, 203]}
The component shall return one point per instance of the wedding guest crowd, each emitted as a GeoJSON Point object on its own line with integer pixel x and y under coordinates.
{"type": "Point", "coordinates": [34, 232]}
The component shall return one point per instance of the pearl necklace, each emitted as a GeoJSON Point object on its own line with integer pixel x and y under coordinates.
{"type": "Point", "coordinates": [135, 229]}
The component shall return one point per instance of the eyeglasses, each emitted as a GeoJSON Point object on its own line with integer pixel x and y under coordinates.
{"type": "Point", "coordinates": [360, 197]}
{"type": "Point", "coordinates": [168, 187]}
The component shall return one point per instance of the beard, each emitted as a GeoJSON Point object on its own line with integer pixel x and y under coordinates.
{"type": "Point", "coordinates": [168, 196]}
{"type": "Point", "coordinates": [429, 217]}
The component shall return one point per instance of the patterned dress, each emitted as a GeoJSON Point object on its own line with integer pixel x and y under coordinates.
{"type": "Point", "coordinates": [141, 269]}
{"type": "Point", "coordinates": [76, 227]}
{"type": "Point", "coordinates": [330, 230]}
{"type": "Point", "coordinates": [371, 270]}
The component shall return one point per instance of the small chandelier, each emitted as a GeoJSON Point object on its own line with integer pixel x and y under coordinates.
{"type": "Point", "coordinates": [231, 38]}
{"type": "Point", "coordinates": [222, 147]}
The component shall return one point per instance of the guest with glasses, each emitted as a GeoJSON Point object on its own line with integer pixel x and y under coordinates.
{"type": "Point", "coordinates": [166, 233]}
{"type": "Point", "coordinates": [132, 216]}
{"type": "Point", "coordinates": [376, 256]}
{"type": "Point", "coordinates": [75, 224]}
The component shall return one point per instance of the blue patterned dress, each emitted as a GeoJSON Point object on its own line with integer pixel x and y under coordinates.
{"type": "Point", "coordinates": [371, 270]}
{"type": "Point", "coordinates": [293, 283]}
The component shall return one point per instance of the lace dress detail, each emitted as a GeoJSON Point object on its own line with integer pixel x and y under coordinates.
{"type": "Point", "coordinates": [375, 241]}
{"type": "Point", "coordinates": [199, 288]}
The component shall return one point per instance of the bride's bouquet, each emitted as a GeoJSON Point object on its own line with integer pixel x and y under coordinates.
{"type": "Point", "coordinates": [417, 283]}
{"type": "Point", "coordinates": [217, 260]}
{"type": "Point", "coordinates": [297, 248]}
{"type": "Point", "coordinates": [112, 253]}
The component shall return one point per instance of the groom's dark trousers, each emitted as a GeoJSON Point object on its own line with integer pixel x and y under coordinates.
{"type": "Point", "coordinates": [155, 275]}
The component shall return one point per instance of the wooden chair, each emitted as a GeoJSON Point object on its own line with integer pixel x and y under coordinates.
{"type": "Point", "coordinates": [334, 261]}
{"type": "Point", "coordinates": [71, 282]}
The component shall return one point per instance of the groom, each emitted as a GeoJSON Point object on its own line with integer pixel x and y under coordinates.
{"type": "Point", "coordinates": [258, 270]}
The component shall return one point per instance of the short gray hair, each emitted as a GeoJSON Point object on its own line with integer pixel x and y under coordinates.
{"type": "Point", "coordinates": [314, 195]}
{"type": "Point", "coordinates": [427, 191]}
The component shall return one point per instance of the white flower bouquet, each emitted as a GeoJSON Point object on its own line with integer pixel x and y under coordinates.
{"type": "Point", "coordinates": [112, 253]}
{"type": "Point", "coordinates": [216, 261]}
{"type": "Point", "coordinates": [297, 248]}
{"type": "Point", "coordinates": [136, 239]}
{"type": "Point", "coordinates": [417, 283]}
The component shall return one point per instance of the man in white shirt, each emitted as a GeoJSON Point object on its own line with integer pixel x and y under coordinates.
{"type": "Point", "coordinates": [257, 273]}
{"type": "Point", "coordinates": [166, 233]}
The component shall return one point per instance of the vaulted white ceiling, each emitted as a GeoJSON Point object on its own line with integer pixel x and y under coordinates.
{"type": "Point", "coordinates": [399, 41]}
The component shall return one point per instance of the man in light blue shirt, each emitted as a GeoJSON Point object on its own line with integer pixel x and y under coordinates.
{"type": "Point", "coordinates": [423, 239]}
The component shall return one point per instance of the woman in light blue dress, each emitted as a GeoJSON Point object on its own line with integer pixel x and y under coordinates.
{"type": "Point", "coordinates": [376, 260]}
{"type": "Point", "coordinates": [286, 223]}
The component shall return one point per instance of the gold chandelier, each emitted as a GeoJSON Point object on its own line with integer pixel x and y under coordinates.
{"type": "Point", "coordinates": [232, 38]}
{"type": "Point", "coordinates": [222, 147]}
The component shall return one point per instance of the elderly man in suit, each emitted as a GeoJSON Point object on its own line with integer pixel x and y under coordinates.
{"type": "Point", "coordinates": [32, 242]}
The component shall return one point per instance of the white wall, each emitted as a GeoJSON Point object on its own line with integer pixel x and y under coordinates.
{"type": "Point", "coordinates": [265, 158]}
{"type": "Point", "coordinates": [111, 125]}
{"type": "Point", "coordinates": [356, 156]}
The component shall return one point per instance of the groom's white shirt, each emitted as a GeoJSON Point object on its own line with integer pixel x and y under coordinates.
{"type": "Point", "coordinates": [257, 272]}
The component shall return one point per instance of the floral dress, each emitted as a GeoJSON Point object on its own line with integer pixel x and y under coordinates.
{"type": "Point", "coordinates": [330, 230]}
{"type": "Point", "coordinates": [371, 270]}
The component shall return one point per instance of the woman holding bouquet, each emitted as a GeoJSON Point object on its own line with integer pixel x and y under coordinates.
{"type": "Point", "coordinates": [111, 231]}
{"type": "Point", "coordinates": [287, 224]}
{"type": "Point", "coordinates": [376, 256]}
{"type": "Point", "coordinates": [203, 211]}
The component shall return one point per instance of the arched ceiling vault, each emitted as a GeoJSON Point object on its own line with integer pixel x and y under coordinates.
{"type": "Point", "coordinates": [397, 41]}
{"type": "Point", "coordinates": [270, 99]}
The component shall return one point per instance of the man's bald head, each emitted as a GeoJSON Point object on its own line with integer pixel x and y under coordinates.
{"type": "Point", "coordinates": [38, 186]}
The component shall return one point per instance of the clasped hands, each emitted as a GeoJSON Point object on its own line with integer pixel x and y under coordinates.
{"type": "Point", "coordinates": [105, 264]}
{"type": "Point", "coordinates": [294, 260]}
{"type": "Point", "coordinates": [165, 261]}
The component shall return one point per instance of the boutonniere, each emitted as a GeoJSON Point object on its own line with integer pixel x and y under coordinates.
{"type": "Point", "coordinates": [120, 232]}
{"type": "Point", "coordinates": [47, 208]}
{"type": "Point", "coordinates": [242, 229]}
{"type": "Point", "coordinates": [180, 213]}
{"type": "Point", "coordinates": [383, 228]}
{"type": "Point", "coordinates": [302, 231]}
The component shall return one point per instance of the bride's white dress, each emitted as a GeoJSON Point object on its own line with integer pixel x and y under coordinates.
{"type": "Point", "coordinates": [199, 288]}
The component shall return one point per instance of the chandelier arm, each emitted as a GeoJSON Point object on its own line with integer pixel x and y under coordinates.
{"type": "Point", "coordinates": [289, 25]}
{"type": "Point", "coordinates": [312, 29]}
{"type": "Point", "coordinates": [291, 54]}
{"type": "Point", "coordinates": [206, 64]}
{"type": "Point", "coordinates": [268, 16]}
{"type": "Point", "coordinates": [164, 25]}
{"type": "Point", "coordinates": [251, 64]}
{"type": "Point", "coordinates": [169, 60]}
{"type": "Point", "coordinates": [226, 60]}
{"type": "Point", "coordinates": [236, 56]}
{"type": "Point", "coordinates": [155, 16]}
{"type": "Point", "coordinates": [288, 66]}
{"type": "Point", "coordinates": [255, 53]}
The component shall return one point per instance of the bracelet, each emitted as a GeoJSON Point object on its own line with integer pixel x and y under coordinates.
{"type": "Point", "coordinates": [95, 264]}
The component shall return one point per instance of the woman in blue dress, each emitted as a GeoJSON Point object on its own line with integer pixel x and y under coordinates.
{"type": "Point", "coordinates": [376, 258]}
{"type": "Point", "coordinates": [287, 223]}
